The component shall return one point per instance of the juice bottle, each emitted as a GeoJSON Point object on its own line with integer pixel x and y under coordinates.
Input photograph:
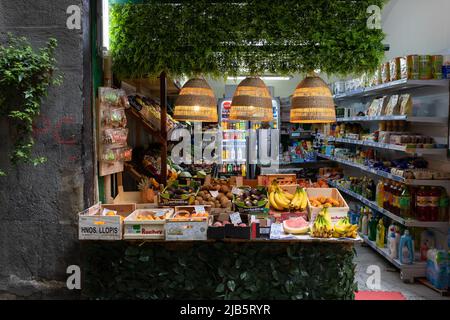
{"type": "Point", "coordinates": [372, 190]}
{"type": "Point", "coordinates": [244, 170]}
{"type": "Point", "coordinates": [394, 199]}
{"type": "Point", "coordinates": [405, 203]}
{"type": "Point", "coordinates": [386, 195]}
{"type": "Point", "coordinates": [433, 204]}
{"type": "Point", "coordinates": [380, 193]}
{"type": "Point", "coordinates": [422, 204]}
{"type": "Point", "coordinates": [380, 234]}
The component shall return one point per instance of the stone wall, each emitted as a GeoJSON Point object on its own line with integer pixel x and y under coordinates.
{"type": "Point", "coordinates": [38, 205]}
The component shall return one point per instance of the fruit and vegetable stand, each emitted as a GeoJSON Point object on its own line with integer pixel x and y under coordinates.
{"type": "Point", "coordinates": [226, 269]}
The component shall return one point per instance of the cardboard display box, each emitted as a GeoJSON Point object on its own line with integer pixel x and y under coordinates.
{"type": "Point", "coordinates": [336, 213]}
{"type": "Point", "coordinates": [188, 228]}
{"type": "Point", "coordinates": [92, 225]}
{"type": "Point", "coordinates": [146, 229]}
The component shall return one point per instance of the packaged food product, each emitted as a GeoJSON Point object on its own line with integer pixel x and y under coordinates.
{"type": "Point", "coordinates": [116, 154]}
{"type": "Point", "coordinates": [115, 136]}
{"type": "Point", "coordinates": [413, 66]}
{"type": "Point", "coordinates": [395, 72]}
{"type": "Point", "coordinates": [425, 69]}
{"type": "Point", "coordinates": [114, 118]}
{"type": "Point", "coordinates": [403, 68]}
{"type": "Point", "coordinates": [406, 104]}
{"type": "Point", "coordinates": [437, 62]}
{"type": "Point", "coordinates": [393, 106]}
{"type": "Point", "coordinates": [385, 73]}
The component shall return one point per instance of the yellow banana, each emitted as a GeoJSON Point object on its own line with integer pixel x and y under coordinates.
{"type": "Point", "coordinates": [304, 200]}
{"type": "Point", "coordinates": [288, 195]}
{"type": "Point", "coordinates": [273, 202]}
{"type": "Point", "coordinates": [280, 201]}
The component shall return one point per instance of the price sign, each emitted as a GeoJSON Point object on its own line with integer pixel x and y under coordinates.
{"type": "Point", "coordinates": [199, 209]}
{"type": "Point", "coordinates": [236, 191]}
{"type": "Point", "coordinates": [235, 218]}
{"type": "Point", "coordinates": [214, 193]}
{"type": "Point", "coordinates": [160, 213]}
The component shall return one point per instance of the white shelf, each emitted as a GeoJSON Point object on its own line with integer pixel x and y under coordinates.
{"type": "Point", "coordinates": [234, 160]}
{"type": "Point", "coordinates": [436, 120]}
{"type": "Point", "coordinates": [415, 270]}
{"type": "Point", "coordinates": [399, 85]}
{"type": "Point", "coordinates": [228, 140]}
{"type": "Point", "coordinates": [411, 182]}
{"type": "Point", "coordinates": [387, 146]}
{"type": "Point", "coordinates": [374, 206]}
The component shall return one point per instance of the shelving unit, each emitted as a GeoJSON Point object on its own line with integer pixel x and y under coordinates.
{"type": "Point", "coordinates": [387, 175]}
{"type": "Point", "coordinates": [430, 97]}
{"type": "Point", "coordinates": [437, 120]}
{"type": "Point", "coordinates": [394, 86]}
{"type": "Point", "coordinates": [387, 146]}
{"type": "Point", "coordinates": [373, 205]}
{"type": "Point", "coordinates": [408, 272]}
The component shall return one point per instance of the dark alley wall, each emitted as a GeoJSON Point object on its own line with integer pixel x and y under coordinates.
{"type": "Point", "coordinates": [38, 205]}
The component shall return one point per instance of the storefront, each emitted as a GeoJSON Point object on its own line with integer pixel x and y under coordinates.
{"type": "Point", "coordinates": [258, 195]}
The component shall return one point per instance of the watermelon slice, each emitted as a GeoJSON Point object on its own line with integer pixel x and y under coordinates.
{"type": "Point", "coordinates": [296, 226]}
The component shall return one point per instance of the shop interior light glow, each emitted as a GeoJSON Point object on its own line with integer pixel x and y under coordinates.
{"type": "Point", "coordinates": [105, 24]}
{"type": "Point", "coordinates": [264, 78]}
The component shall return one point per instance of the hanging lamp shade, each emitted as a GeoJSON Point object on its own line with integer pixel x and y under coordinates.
{"type": "Point", "coordinates": [312, 102]}
{"type": "Point", "coordinates": [196, 102]}
{"type": "Point", "coordinates": [252, 101]}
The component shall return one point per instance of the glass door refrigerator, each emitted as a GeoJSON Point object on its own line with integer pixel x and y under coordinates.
{"type": "Point", "coordinates": [234, 141]}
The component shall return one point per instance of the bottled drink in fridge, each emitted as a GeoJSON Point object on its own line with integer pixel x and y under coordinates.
{"type": "Point", "coordinates": [443, 206]}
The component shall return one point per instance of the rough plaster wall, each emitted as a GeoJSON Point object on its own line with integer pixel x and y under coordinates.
{"type": "Point", "coordinates": [38, 206]}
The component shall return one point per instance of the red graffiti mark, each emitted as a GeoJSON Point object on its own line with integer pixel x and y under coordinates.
{"type": "Point", "coordinates": [41, 126]}
{"type": "Point", "coordinates": [57, 131]}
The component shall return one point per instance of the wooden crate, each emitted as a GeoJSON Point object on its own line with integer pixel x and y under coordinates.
{"type": "Point", "coordinates": [188, 229]}
{"type": "Point", "coordinates": [336, 213]}
{"type": "Point", "coordinates": [143, 229]}
{"type": "Point", "coordinates": [93, 226]}
{"type": "Point", "coordinates": [282, 179]}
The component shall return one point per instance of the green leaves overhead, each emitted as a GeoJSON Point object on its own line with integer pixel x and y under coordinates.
{"type": "Point", "coordinates": [124, 270]}
{"type": "Point", "coordinates": [256, 36]}
{"type": "Point", "coordinates": [25, 76]}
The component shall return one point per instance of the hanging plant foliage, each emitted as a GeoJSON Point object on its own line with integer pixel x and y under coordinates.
{"type": "Point", "coordinates": [25, 75]}
{"type": "Point", "coordinates": [255, 36]}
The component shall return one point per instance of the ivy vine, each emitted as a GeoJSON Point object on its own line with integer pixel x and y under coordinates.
{"type": "Point", "coordinates": [223, 38]}
{"type": "Point", "coordinates": [25, 76]}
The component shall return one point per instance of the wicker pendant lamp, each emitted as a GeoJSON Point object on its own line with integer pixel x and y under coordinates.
{"type": "Point", "coordinates": [196, 102]}
{"type": "Point", "coordinates": [252, 101]}
{"type": "Point", "coordinates": [312, 102]}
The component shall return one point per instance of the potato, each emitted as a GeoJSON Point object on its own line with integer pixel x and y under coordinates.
{"type": "Point", "coordinates": [229, 195]}
{"type": "Point", "coordinates": [224, 189]}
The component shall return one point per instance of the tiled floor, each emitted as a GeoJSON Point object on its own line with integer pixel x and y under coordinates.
{"type": "Point", "coordinates": [390, 277]}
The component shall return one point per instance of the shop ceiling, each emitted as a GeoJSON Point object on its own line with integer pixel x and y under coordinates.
{"type": "Point", "coordinates": [255, 37]}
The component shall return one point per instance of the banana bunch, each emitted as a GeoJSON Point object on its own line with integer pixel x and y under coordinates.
{"type": "Point", "coordinates": [322, 227]}
{"type": "Point", "coordinates": [299, 200]}
{"type": "Point", "coordinates": [344, 229]}
{"type": "Point", "coordinates": [279, 199]}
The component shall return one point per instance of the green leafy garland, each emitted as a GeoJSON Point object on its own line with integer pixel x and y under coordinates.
{"type": "Point", "coordinates": [25, 76]}
{"type": "Point", "coordinates": [222, 38]}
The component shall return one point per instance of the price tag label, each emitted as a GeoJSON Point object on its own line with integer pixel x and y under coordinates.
{"type": "Point", "coordinates": [235, 218]}
{"type": "Point", "coordinates": [214, 193]}
{"type": "Point", "coordinates": [236, 191]}
{"type": "Point", "coordinates": [160, 213]}
{"type": "Point", "coordinates": [199, 209]}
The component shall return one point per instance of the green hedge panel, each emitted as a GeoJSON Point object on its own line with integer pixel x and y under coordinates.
{"type": "Point", "coordinates": [258, 36]}
{"type": "Point", "coordinates": [126, 270]}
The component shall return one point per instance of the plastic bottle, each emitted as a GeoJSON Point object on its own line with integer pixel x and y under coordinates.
{"type": "Point", "coordinates": [365, 224]}
{"type": "Point", "coordinates": [380, 193]}
{"type": "Point", "coordinates": [443, 205]}
{"type": "Point", "coordinates": [427, 242]}
{"type": "Point", "coordinates": [406, 249]}
{"type": "Point", "coordinates": [386, 195]}
{"type": "Point", "coordinates": [392, 244]}
{"type": "Point", "coordinates": [433, 204]}
{"type": "Point", "coordinates": [380, 234]}
{"type": "Point", "coordinates": [405, 203]}
{"type": "Point", "coordinates": [373, 223]}
{"type": "Point", "coordinates": [372, 190]}
{"type": "Point", "coordinates": [421, 204]}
